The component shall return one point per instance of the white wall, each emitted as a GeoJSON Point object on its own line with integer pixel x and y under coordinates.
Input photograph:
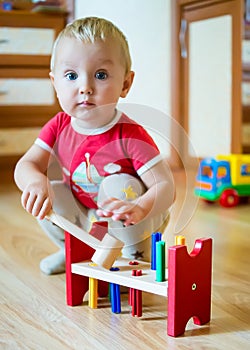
{"type": "Point", "coordinates": [210, 86]}
{"type": "Point", "coordinates": [146, 24]}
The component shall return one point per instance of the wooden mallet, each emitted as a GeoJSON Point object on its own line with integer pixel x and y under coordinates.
{"type": "Point", "coordinates": [106, 251]}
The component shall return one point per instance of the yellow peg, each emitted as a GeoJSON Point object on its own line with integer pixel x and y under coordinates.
{"type": "Point", "coordinates": [93, 293]}
{"type": "Point", "coordinates": [180, 240]}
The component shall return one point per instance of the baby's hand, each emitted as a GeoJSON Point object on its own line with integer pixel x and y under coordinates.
{"type": "Point", "coordinates": [128, 212]}
{"type": "Point", "coordinates": [36, 199]}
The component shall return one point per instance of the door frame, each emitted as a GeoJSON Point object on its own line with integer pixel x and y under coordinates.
{"type": "Point", "coordinates": [180, 94]}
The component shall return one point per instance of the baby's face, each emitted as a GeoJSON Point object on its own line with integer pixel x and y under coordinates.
{"type": "Point", "coordinates": [89, 75]}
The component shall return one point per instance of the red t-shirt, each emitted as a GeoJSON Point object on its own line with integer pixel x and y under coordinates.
{"type": "Point", "coordinates": [87, 156]}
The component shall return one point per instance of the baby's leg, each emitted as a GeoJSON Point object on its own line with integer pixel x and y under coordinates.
{"type": "Point", "coordinates": [137, 238]}
{"type": "Point", "coordinates": [66, 205]}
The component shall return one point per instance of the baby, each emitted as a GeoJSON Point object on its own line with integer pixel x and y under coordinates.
{"type": "Point", "coordinates": [112, 169]}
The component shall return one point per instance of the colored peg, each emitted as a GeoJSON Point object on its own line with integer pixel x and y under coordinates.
{"type": "Point", "coordinates": [136, 297]}
{"type": "Point", "coordinates": [130, 293]}
{"type": "Point", "coordinates": [180, 240]}
{"type": "Point", "coordinates": [93, 293]}
{"type": "Point", "coordinates": [138, 303]}
{"type": "Point", "coordinates": [160, 261]}
{"type": "Point", "coordinates": [115, 298]}
{"type": "Point", "coordinates": [156, 237]}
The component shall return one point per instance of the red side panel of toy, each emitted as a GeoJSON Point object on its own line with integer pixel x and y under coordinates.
{"type": "Point", "coordinates": [77, 285]}
{"type": "Point", "coordinates": [189, 285]}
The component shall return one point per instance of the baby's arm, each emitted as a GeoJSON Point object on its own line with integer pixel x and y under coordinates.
{"type": "Point", "coordinates": [30, 177]}
{"type": "Point", "coordinates": [159, 196]}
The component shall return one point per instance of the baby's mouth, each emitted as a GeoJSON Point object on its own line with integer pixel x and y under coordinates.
{"type": "Point", "coordinates": [86, 103]}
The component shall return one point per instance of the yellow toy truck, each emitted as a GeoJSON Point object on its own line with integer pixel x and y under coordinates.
{"type": "Point", "coordinates": [225, 178]}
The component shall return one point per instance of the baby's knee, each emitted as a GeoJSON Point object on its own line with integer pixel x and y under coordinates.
{"type": "Point", "coordinates": [120, 186]}
{"type": "Point", "coordinates": [138, 251]}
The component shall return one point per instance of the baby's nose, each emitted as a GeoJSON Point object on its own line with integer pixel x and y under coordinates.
{"type": "Point", "coordinates": [85, 88]}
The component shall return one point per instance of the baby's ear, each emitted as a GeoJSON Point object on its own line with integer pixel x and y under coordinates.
{"type": "Point", "coordinates": [128, 81]}
{"type": "Point", "coordinates": [51, 75]}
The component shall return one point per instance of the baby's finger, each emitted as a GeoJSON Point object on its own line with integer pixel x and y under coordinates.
{"type": "Point", "coordinates": [39, 204]}
{"type": "Point", "coordinates": [45, 209]}
{"type": "Point", "coordinates": [24, 199]}
{"type": "Point", "coordinates": [106, 203]}
{"type": "Point", "coordinates": [103, 213]}
{"type": "Point", "coordinates": [112, 206]}
{"type": "Point", "coordinates": [29, 204]}
{"type": "Point", "coordinates": [128, 219]}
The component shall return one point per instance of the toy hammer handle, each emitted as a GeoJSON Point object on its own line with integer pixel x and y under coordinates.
{"type": "Point", "coordinates": [106, 251]}
{"type": "Point", "coordinates": [76, 231]}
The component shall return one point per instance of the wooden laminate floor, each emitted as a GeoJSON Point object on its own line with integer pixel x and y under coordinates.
{"type": "Point", "coordinates": [34, 315]}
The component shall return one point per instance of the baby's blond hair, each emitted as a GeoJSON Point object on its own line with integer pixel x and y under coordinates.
{"type": "Point", "coordinates": [91, 29]}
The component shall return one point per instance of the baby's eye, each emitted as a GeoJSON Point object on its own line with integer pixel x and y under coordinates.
{"type": "Point", "coordinates": [71, 76]}
{"type": "Point", "coordinates": [101, 75]}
